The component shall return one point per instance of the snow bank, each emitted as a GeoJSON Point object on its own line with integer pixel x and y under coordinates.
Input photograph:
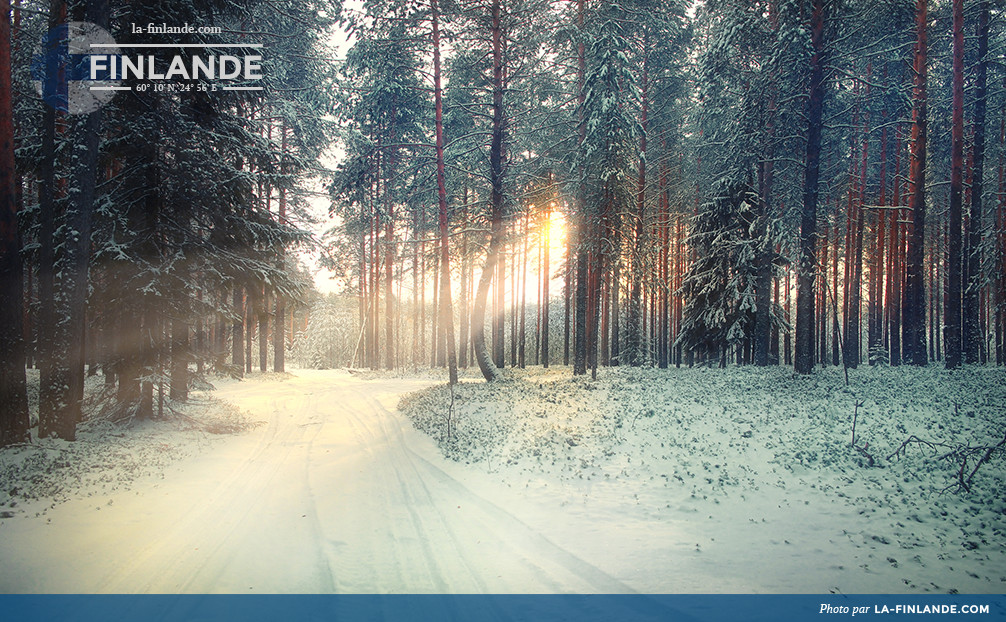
{"type": "Point", "coordinates": [753, 466]}
{"type": "Point", "coordinates": [109, 455]}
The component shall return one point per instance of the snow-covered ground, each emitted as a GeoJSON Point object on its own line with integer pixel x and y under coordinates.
{"type": "Point", "coordinates": [744, 479]}
{"type": "Point", "coordinates": [332, 491]}
{"type": "Point", "coordinates": [701, 480]}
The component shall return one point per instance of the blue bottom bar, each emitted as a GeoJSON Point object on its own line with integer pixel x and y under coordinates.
{"type": "Point", "coordinates": [479, 608]}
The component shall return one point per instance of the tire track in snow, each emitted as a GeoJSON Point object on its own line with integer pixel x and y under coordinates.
{"type": "Point", "coordinates": [465, 543]}
{"type": "Point", "coordinates": [334, 493]}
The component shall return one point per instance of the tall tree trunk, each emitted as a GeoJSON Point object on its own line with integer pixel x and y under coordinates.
{"type": "Point", "coordinates": [487, 365]}
{"type": "Point", "coordinates": [605, 286]}
{"type": "Point", "coordinates": [848, 272]}
{"type": "Point", "coordinates": [914, 304]}
{"type": "Point", "coordinates": [70, 329]}
{"type": "Point", "coordinates": [764, 247]}
{"type": "Point", "coordinates": [583, 224]}
{"type": "Point", "coordinates": [416, 234]}
{"type": "Point", "coordinates": [249, 324]}
{"type": "Point", "coordinates": [763, 270]}
{"type": "Point", "coordinates": [422, 294]}
{"type": "Point", "coordinates": [822, 300]}
{"type": "Point", "coordinates": [389, 249]}
{"type": "Point", "coordinates": [1000, 246]}
{"type": "Point", "coordinates": [595, 271]}
{"type": "Point", "coordinates": [263, 330]}
{"type": "Point", "coordinates": [855, 328]}
{"type": "Point", "coordinates": [836, 347]}
{"type": "Point", "coordinates": [237, 340]}
{"type": "Point", "coordinates": [804, 356]}
{"type": "Point", "coordinates": [465, 314]}
{"type": "Point", "coordinates": [952, 309]}
{"type": "Point", "coordinates": [567, 295]}
{"type": "Point", "coordinates": [363, 316]}
{"type": "Point", "coordinates": [499, 315]}
{"type": "Point", "coordinates": [14, 423]}
{"type": "Point", "coordinates": [663, 277]}
{"type": "Point", "coordinates": [876, 320]}
{"type": "Point", "coordinates": [546, 276]}
{"type": "Point", "coordinates": [513, 309]}
{"type": "Point", "coordinates": [279, 325]}
{"type": "Point", "coordinates": [634, 330]}
{"type": "Point", "coordinates": [435, 316]}
{"type": "Point", "coordinates": [973, 338]}
{"type": "Point", "coordinates": [374, 355]}
{"type": "Point", "coordinates": [615, 284]}
{"type": "Point", "coordinates": [896, 270]}
{"type": "Point", "coordinates": [520, 334]}
{"type": "Point", "coordinates": [48, 189]}
{"type": "Point", "coordinates": [1000, 261]}
{"type": "Point", "coordinates": [151, 343]}
{"type": "Point", "coordinates": [180, 355]}
{"type": "Point", "coordinates": [446, 308]}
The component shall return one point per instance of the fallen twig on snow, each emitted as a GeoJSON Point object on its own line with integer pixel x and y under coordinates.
{"type": "Point", "coordinates": [959, 453]}
{"type": "Point", "coordinates": [861, 450]}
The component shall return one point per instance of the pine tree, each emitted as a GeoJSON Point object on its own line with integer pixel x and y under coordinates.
{"type": "Point", "coordinates": [719, 286]}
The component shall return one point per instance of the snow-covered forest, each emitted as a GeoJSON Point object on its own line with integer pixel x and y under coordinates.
{"type": "Point", "coordinates": [769, 236]}
{"type": "Point", "coordinates": [596, 184]}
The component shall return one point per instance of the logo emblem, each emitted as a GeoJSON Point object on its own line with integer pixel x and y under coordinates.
{"type": "Point", "coordinates": [62, 71]}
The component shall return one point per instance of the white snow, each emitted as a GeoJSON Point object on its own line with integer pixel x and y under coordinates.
{"type": "Point", "coordinates": [681, 481]}
{"type": "Point", "coordinates": [744, 479]}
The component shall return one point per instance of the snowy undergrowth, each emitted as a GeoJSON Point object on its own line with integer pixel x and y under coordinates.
{"type": "Point", "coordinates": [759, 443]}
{"type": "Point", "coordinates": [108, 454]}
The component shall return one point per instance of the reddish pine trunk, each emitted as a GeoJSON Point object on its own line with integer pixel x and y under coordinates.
{"type": "Point", "coordinates": [836, 349]}
{"type": "Point", "coordinates": [435, 316]}
{"type": "Point", "coordinates": [663, 278]}
{"type": "Point", "coordinates": [914, 304]}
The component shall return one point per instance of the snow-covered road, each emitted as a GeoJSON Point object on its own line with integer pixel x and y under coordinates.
{"type": "Point", "coordinates": [333, 492]}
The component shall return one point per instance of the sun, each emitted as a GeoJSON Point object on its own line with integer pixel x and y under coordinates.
{"type": "Point", "coordinates": [554, 231]}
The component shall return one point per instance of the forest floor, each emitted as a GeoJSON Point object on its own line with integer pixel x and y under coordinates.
{"type": "Point", "coordinates": [681, 481]}
{"type": "Point", "coordinates": [745, 479]}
